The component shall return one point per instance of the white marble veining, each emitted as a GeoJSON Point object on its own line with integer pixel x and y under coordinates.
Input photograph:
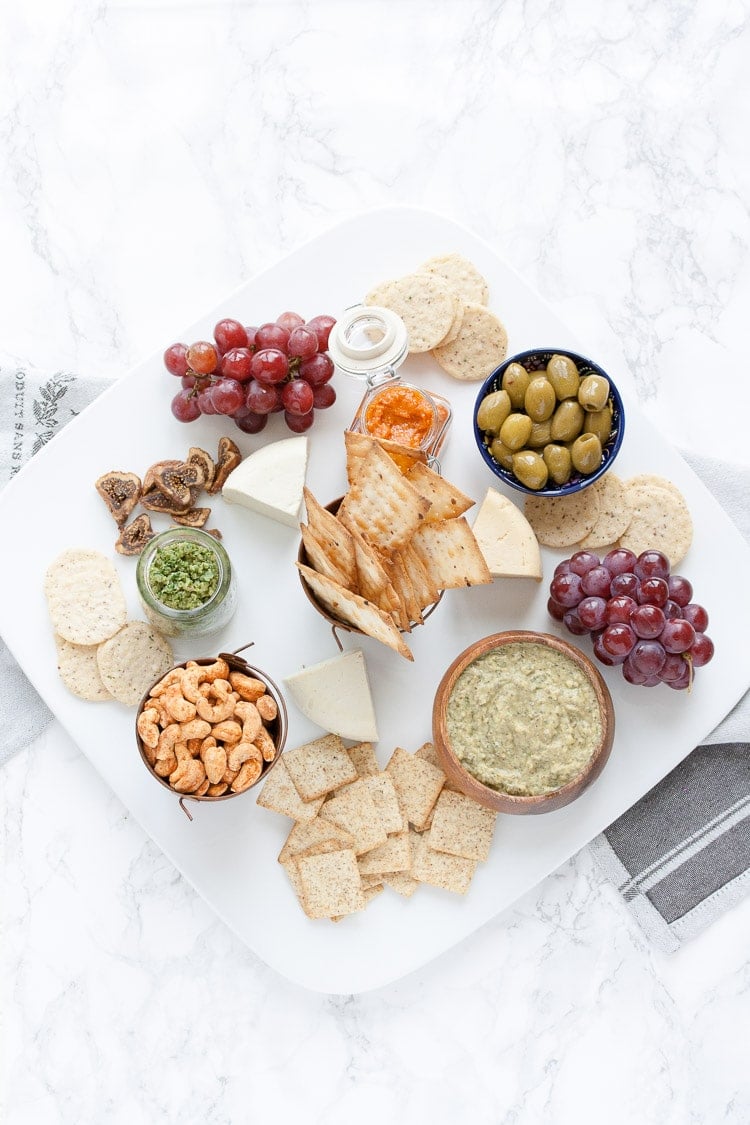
{"type": "Point", "coordinates": [154, 157]}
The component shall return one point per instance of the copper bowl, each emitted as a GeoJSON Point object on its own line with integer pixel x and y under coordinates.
{"type": "Point", "coordinates": [277, 728]}
{"type": "Point", "coordinates": [339, 622]}
{"type": "Point", "coordinates": [496, 799]}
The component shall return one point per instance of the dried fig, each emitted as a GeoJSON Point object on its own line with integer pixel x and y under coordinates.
{"type": "Point", "coordinates": [229, 458]}
{"type": "Point", "coordinates": [120, 491]}
{"type": "Point", "coordinates": [180, 483]}
{"type": "Point", "coordinates": [193, 517]}
{"type": "Point", "coordinates": [134, 536]}
{"type": "Point", "coordinates": [197, 456]}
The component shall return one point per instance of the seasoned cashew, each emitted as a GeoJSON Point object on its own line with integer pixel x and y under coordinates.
{"type": "Point", "coordinates": [216, 712]}
{"type": "Point", "coordinates": [181, 752]}
{"type": "Point", "coordinates": [173, 677]}
{"type": "Point", "coordinates": [188, 776]}
{"type": "Point", "coordinates": [190, 680]}
{"type": "Point", "coordinates": [217, 790]}
{"type": "Point", "coordinates": [167, 739]}
{"type": "Point", "coordinates": [266, 745]}
{"type": "Point", "coordinates": [179, 708]}
{"type": "Point", "coordinates": [202, 788]}
{"type": "Point", "coordinates": [148, 727]}
{"type": "Point", "coordinates": [247, 687]}
{"type": "Point", "coordinates": [194, 746]}
{"type": "Point", "coordinates": [229, 775]}
{"type": "Point", "coordinates": [229, 731]}
{"type": "Point", "coordinates": [251, 720]}
{"type": "Point", "coordinates": [196, 728]}
{"type": "Point", "coordinates": [249, 773]}
{"type": "Point", "coordinates": [267, 708]}
{"type": "Point", "coordinates": [214, 759]}
{"type": "Point", "coordinates": [242, 752]}
{"type": "Point", "coordinates": [163, 767]}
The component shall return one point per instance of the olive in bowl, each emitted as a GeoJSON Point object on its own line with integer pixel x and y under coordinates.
{"type": "Point", "coordinates": [522, 722]}
{"type": "Point", "coordinates": [548, 422]}
{"type": "Point", "coordinates": [211, 728]}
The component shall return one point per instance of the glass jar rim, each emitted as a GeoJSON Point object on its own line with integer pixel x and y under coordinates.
{"type": "Point", "coordinates": [148, 555]}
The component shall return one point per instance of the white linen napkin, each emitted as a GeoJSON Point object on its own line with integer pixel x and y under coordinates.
{"type": "Point", "coordinates": [679, 857]}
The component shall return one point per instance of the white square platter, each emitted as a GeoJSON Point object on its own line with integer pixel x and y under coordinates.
{"type": "Point", "coordinates": [228, 852]}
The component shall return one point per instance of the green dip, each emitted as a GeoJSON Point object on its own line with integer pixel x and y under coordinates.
{"type": "Point", "coordinates": [184, 575]}
{"type": "Point", "coordinates": [523, 719]}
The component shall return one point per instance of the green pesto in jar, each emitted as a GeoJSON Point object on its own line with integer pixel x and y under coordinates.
{"type": "Point", "coordinates": [184, 575]}
{"type": "Point", "coordinates": [524, 719]}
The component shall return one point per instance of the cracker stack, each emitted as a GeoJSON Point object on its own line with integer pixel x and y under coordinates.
{"type": "Point", "coordinates": [358, 828]}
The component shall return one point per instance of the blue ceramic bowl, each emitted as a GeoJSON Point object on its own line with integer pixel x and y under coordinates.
{"type": "Point", "coordinates": [536, 361]}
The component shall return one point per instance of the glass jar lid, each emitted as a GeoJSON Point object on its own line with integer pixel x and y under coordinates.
{"type": "Point", "coordinates": [368, 340]}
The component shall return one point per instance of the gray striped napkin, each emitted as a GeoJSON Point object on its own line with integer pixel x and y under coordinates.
{"type": "Point", "coordinates": [679, 857]}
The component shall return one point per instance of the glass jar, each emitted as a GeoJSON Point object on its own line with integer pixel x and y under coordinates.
{"type": "Point", "coordinates": [370, 343]}
{"type": "Point", "coordinates": [199, 566]}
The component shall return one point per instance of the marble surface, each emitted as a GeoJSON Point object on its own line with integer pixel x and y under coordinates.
{"type": "Point", "coordinates": [154, 157]}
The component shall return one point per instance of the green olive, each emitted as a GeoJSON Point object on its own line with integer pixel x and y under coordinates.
{"type": "Point", "coordinates": [586, 453]}
{"type": "Point", "coordinates": [515, 431]}
{"type": "Point", "coordinates": [539, 401]}
{"type": "Point", "coordinates": [540, 434]}
{"type": "Point", "coordinates": [599, 422]}
{"type": "Point", "coordinates": [557, 460]}
{"type": "Point", "coordinates": [563, 375]}
{"type": "Point", "coordinates": [567, 421]}
{"type": "Point", "coordinates": [593, 392]}
{"type": "Point", "coordinates": [530, 469]}
{"type": "Point", "coordinates": [502, 454]}
{"type": "Point", "coordinates": [515, 381]}
{"type": "Point", "coordinates": [493, 410]}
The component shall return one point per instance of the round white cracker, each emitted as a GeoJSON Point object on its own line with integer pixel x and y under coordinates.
{"type": "Point", "coordinates": [480, 346]}
{"type": "Point", "coordinates": [84, 596]}
{"type": "Point", "coordinates": [130, 661]}
{"type": "Point", "coordinates": [455, 327]}
{"type": "Point", "coordinates": [462, 276]}
{"type": "Point", "coordinates": [614, 513]}
{"type": "Point", "coordinates": [426, 304]}
{"type": "Point", "coordinates": [561, 521]}
{"type": "Point", "coordinates": [661, 521]}
{"type": "Point", "coordinates": [79, 670]}
{"type": "Point", "coordinates": [651, 479]}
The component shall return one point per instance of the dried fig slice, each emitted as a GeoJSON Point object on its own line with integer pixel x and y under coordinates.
{"type": "Point", "coordinates": [193, 517]}
{"type": "Point", "coordinates": [157, 501]}
{"type": "Point", "coordinates": [149, 480]}
{"type": "Point", "coordinates": [229, 458]}
{"type": "Point", "coordinates": [120, 491]}
{"type": "Point", "coordinates": [180, 482]}
{"type": "Point", "coordinates": [135, 535]}
{"type": "Point", "coordinates": [198, 456]}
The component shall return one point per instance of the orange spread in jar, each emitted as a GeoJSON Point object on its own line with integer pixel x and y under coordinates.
{"type": "Point", "coordinates": [401, 414]}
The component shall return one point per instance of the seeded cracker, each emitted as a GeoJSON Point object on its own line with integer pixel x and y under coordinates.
{"type": "Point", "coordinates": [363, 756]}
{"type": "Point", "coordinates": [480, 346]}
{"type": "Point", "coordinates": [319, 767]}
{"type": "Point", "coordinates": [79, 670]}
{"type": "Point", "coordinates": [391, 857]}
{"type": "Point", "coordinates": [561, 521]}
{"type": "Point", "coordinates": [280, 795]}
{"type": "Point", "coordinates": [424, 303]}
{"type": "Point", "coordinates": [461, 826]}
{"type": "Point", "coordinates": [382, 504]}
{"type": "Point", "coordinates": [449, 872]}
{"type": "Point", "coordinates": [331, 886]}
{"type": "Point", "coordinates": [650, 479]}
{"type": "Point", "coordinates": [385, 799]}
{"type": "Point", "coordinates": [417, 784]}
{"type": "Point", "coordinates": [130, 661]}
{"type": "Point", "coordinates": [308, 838]}
{"type": "Point", "coordinates": [84, 596]}
{"type": "Point", "coordinates": [354, 811]}
{"type": "Point", "coordinates": [450, 554]}
{"type": "Point", "coordinates": [661, 521]}
{"type": "Point", "coordinates": [461, 275]}
{"type": "Point", "coordinates": [614, 513]}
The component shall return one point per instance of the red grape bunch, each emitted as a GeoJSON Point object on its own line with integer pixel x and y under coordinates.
{"type": "Point", "coordinates": [249, 373]}
{"type": "Point", "coordinates": [640, 616]}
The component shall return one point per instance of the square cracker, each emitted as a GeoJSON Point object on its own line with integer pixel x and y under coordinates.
{"type": "Point", "coordinates": [279, 794]}
{"type": "Point", "coordinates": [355, 610]}
{"type": "Point", "coordinates": [449, 872]}
{"type": "Point", "coordinates": [394, 855]}
{"type": "Point", "coordinates": [450, 554]}
{"type": "Point", "coordinates": [417, 784]}
{"type": "Point", "coordinates": [319, 767]}
{"type": "Point", "coordinates": [363, 756]}
{"type": "Point", "coordinates": [381, 503]}
{"type": "Point", "coordinates": [311, 836]}
{"type": "Point", "coordinates": [462, 827]}
{"type": "Point", "coordinates": [330, 884]}
{"type": "Point", "coordinates": [354, 811]}
{"type": "Point", "coordinates": [403, 882]}
{"type": "Point", "coordinates": [383, 792]}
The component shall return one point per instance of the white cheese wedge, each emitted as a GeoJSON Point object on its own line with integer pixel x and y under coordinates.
{"type": "Point", "coordinates": [506, 539]}
{"type": "Point", "coordinates": [336, 695]}
{"type": "Point", "coordinates": [271, 480]}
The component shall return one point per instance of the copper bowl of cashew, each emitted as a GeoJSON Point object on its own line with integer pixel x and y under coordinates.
{"type": "Point", "coordinates": [211, 728]}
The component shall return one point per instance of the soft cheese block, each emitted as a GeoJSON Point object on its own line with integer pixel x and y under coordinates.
{"type": "Point", "coordinates": [270, 480]}
{"type": "Point", "coordinates": [336, 696]}
{"type": "Point", "coordinates": [506, 539]}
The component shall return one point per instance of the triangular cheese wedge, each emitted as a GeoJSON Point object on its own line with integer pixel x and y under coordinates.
{"type": "Point", "coordinates": [336, 696]}
{"type": "Point", "coordinates": [270, 480]}
{"type": "Point", "coordinates": [506, 539]}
